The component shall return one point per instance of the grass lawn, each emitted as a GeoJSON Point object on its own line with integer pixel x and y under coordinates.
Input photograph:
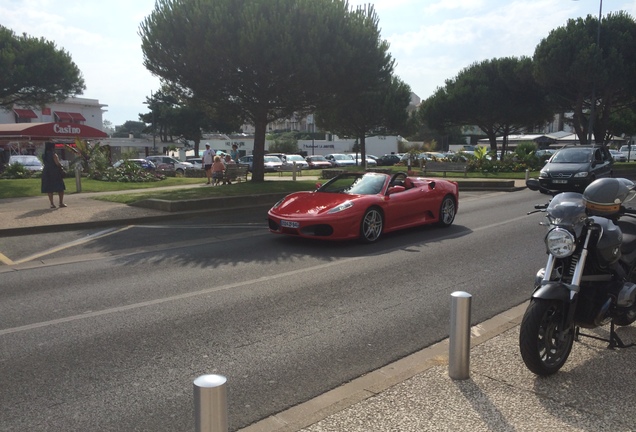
{"type": "Point", "coordinates": [31, 187]}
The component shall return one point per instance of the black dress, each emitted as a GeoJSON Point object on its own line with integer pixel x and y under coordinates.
{"type": "Point", "coordinates": [52, 179]}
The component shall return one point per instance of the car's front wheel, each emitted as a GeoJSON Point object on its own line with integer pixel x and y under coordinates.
{"type": "Point", "coordinates": [371, 225]}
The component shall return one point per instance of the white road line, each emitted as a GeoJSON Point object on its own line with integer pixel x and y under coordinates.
{"type": "Point", "coordinates": [173, 298]}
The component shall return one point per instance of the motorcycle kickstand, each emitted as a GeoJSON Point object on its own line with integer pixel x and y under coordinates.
{"type": "Point", "coordinates": [614, 340]}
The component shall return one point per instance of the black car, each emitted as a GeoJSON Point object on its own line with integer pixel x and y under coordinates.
{"type": "Point", "coordinates": [573, 168]}
{"type": "Point", "coordinates": [388, 160]}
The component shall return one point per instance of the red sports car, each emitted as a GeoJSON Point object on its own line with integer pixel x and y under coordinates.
{"type": "Point", "coordinates": [365, 205]}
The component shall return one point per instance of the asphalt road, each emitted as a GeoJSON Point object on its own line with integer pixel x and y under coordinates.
{"type": "Point", "coordinates": [106, 330]}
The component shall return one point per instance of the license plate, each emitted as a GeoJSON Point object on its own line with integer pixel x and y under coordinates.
{"type": "Point", "coordinates": [289, 224]}
{"type": "Point", "coordinates": [560, 181]}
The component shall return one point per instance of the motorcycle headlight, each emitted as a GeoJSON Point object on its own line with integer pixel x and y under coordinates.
{"type": "Point", "coordinates": [560, 242]}
{"type": "Point", "coordinates": [345, 205]}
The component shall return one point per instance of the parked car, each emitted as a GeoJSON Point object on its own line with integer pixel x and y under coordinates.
{"type": "Point", "coordinates": [168, 162]}
{"type": "Point", "coordinates": [271, 163]}
{"type": "Point", "coordinates": [370, 161]}
{"type": "Point", "coordinates": [29, 162]}
{"type": "Point", "coordinates": [143, 163]}
{"type": "Point", "coordinates": [317, 162]}
{"type": "Point", "coordinates": [289, 159]}
{"type": "Point", "coordinates": [573, 168]}
{"type": "Point", "coordinates": [340, 160]}
{"type": "Point", "coordinates": [388, 159]}
{"type": "Point", "coordinates": [300, 161]}
{"type": "Point", "coordinates": [365, 206]}
{"type": "Point", "coordinates": [197, 162]}
{"type": "Point", "coordinates": [618, 156]}
{"type": "Point", "coordinates": [629, 151]}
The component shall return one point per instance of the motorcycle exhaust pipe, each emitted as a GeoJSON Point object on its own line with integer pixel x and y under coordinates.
{"type": "Point", "coordinates": [603, 316]}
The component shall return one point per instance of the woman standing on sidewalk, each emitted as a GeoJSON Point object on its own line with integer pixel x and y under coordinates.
{"type": "Point", "coordinates": [52, 175]}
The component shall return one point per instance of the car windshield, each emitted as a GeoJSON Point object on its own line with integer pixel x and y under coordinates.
{"type": "Point", "coordinates": [341, 157]}
{"type": "Point", "coordinates": [295, 158]}
{"type": "Point", "coordinates": [355, 184]}
{"type": "Point", "coordinates": [573, 155]}
{"type": "Point", "coordinates": [317, 159]}
{"type": "Point", "coordinates": [272, 159]}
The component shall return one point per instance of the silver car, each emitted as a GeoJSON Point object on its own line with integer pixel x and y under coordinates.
{"type": "Point", "coordinates": [30, 162]}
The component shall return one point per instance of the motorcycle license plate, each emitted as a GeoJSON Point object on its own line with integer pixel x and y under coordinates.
{"type": "Point", "coordinates": [559, 181]}
{"type": "Point", "coordinates": [289, 224]}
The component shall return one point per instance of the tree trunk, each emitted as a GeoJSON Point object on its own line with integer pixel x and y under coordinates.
{"type": "Point", "coordinates": [258, 167]}
{"type": "Point", "coordinates": [363, 151]}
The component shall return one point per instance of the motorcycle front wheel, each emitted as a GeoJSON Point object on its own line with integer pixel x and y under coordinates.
{"type": "Point", "coordinates": [544, 344]}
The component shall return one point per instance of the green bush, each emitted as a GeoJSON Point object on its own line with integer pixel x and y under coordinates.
{"type": "Point", "coordinates": [19, 171]}
{"type": "Point", "coordinates": [128, 172]}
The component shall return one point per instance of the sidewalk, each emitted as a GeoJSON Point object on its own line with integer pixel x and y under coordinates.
{"type": "Point", "coordinates": [592, 392]}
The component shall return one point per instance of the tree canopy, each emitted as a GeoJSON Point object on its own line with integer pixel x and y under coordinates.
{"type": "Point", "coordinates": [500, 96]}
{"type": "Point", "coordinates": [265, 60]}
{"type": "Point", "coordinates": [381, 110]}
{"type": "Point", "coordinates": [34, 72]}
{"type": "Point", "coordinates": [581, 64]}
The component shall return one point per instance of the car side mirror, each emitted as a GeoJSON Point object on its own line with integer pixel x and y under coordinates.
{"type": "Point", "coordinates": [318, 185]}
{"type": "Point", "coordinates": [533, 184]}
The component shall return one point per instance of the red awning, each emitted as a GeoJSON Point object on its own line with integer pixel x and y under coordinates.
{"type": "Point", "coordinates": [72, 116]}
{"type": "Point", "coordinates": [77, 117]}
{"type": "Point", "coordinates": [47, 131]}
{"type": "Point", "coordinates": [63, 115]}
{"type": "Point", "coordinates": [25, 113]}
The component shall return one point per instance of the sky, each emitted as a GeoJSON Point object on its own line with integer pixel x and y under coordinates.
{"type": "Point", "coordinates": [430, 40]}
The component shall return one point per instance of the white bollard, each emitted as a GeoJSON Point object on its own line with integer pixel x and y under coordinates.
{"type": "Point", "coordinates": [210, 404]}
{"type": "Point", "coordinates": [294, 171]}
{"type": "Point", "coordinates": [459, 340]}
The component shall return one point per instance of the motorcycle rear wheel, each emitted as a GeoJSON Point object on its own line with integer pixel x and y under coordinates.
{"type": "Point", "coordinates": [544, 345]}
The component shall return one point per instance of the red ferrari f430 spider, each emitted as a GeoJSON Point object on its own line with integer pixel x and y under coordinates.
{"type": "Point", "coordinates": [364, 206]}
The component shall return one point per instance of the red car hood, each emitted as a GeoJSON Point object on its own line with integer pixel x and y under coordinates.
{"type": "Point", "coordinates": [311, 203]}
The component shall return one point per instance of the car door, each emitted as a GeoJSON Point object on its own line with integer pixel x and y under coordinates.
{"type": "Point", "coordinates": [603, 163]}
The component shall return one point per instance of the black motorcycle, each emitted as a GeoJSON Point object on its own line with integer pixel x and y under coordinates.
{"type": "Point", "coordinates": [590, 277]}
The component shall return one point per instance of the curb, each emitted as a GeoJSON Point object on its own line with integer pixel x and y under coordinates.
{"type": "Point", "coordinates": [359, 389]}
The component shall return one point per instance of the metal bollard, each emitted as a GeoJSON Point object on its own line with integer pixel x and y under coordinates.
{"type": "Point", "coordinates": [459, 348]}
{"type": "Point", "coordinates": [210, 404]}
{"type": "Point", "coordinates": [527, 174]}
{"type": "Point", "coordinates": [294, 171]}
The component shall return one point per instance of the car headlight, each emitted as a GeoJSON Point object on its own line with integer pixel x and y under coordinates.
{"type": "Point", "coordinates": [581, 174]}
{"type": "Point", "coordinates": [560, 243]}
{"type": "Point", "coordinates": [543, 174]}
{"type": "Point", "coordinates": [345, 205]}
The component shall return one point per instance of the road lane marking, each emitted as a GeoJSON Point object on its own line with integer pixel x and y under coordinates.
{"type": "Point", "coordinates": [74, 243]}
{"type": "Point", "coordinates": [5, 259]}
{"type": "Point", "coordinates": [173, 298]}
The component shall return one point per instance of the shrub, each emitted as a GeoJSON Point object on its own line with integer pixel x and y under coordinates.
{"type": "Point", "coordinates": [18, 171]}
{"type": "Point", "coordinates": [128, 172]}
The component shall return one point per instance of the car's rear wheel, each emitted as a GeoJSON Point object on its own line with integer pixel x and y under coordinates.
{"type": "Point", "coordinates": [447, 211]}
{"type": "Point", "coordinates": [371, 225]}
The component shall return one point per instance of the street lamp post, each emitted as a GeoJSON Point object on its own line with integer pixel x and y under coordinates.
{"type": "Point", "coordinates": [154, 127]}
{"type": "Point", "coordinates": [593, 99]}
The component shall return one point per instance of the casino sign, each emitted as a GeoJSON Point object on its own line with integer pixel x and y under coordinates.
{"type": "Point", "coordinates": [47, 132]}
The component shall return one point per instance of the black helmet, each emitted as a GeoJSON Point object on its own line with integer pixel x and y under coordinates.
{"type": "Point", "coordinates": [604, 197]}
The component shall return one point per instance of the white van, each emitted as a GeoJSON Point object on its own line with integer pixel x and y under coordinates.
{"type": "Point", "coordinates": [629, 155]}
